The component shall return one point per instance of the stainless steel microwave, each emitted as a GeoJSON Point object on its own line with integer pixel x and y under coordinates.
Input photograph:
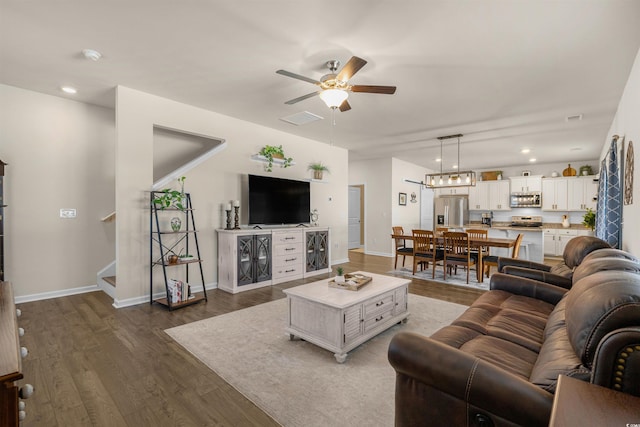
{"type": "Point", "coordinates": [526, 200]}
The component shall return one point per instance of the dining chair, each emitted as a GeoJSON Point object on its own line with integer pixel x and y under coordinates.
{"type": "Point", "coordinates": [479, 234]}
{"type": "Point", "coordinates": [457, 252]}
{"type": "Point", "coordinates": [401, 246]}
{"type": "Point", "coordinates": [425, 250]}
{"type": "Point", "coordinates": [493, 260]}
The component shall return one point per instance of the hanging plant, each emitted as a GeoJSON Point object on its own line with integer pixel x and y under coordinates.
{"type": "Point", "coordinates": [271, 152]}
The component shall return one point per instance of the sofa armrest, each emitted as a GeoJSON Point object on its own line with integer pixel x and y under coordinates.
{"type": "Point", "coordinates": [608, 371]}
{"type": "Point", "coordinates": [504, 262]}
{"type": "Point", "coordinates": [440, 385]}
{"type": "Point", "coordinates": [527, 287]}
{"type": "Point", "coordinates": [539, 275]}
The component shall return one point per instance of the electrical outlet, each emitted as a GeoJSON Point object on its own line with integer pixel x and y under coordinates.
{"type": "Point", "coordinates": [67, 213]}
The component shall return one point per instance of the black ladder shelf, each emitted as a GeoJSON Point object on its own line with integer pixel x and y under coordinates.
{"type": "Point", "coordinates": [160, 257]}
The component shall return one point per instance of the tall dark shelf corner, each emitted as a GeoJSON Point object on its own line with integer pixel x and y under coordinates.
{"type": "Point", "coordinates": [187, 234]}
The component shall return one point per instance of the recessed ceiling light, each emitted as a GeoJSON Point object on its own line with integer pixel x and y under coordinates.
{"type": "Point", "coordinates": [69, 89]}
{"type": "Point", "coordinates": [532, 160]}
{"type": "Point", "coordinates": [455, 166]}
{"type": "Point", "coordinates": [575, 117]}
{"type": "Point", "coordinates": [91, 54]}
{"type": "Point", "coordinates": [576, 149]}
{"type": "Point", "coordinates": [438, 159]}
{"type": "Point", "coordinates": [525, 151]}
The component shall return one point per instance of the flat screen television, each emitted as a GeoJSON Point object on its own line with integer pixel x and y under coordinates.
{"type": "Point", "coordinates": [278, 201]}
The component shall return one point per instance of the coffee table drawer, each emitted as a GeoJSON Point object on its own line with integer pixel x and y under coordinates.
{"type": "Point", "coordinates": [380, 318]}
{"type": "Point", "coordinates": [377, 305]}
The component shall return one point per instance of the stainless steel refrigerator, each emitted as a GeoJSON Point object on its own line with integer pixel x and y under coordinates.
{"type": "Point", "coordinates": [451, 211]}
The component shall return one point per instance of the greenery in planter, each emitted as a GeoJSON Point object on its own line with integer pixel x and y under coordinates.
{"type": "Point", "coordinates": [270, 152]}
{"type": "Point", "coordinates": [586, 168]}
{"type": "Point", "coordinates": [318, 168]}
{"type": "Point", "coordinates": [589, 219]}
{"type": "Point", "coordinates": [340, 271]}
{"type": "Point", "coordinates": [171, 198]}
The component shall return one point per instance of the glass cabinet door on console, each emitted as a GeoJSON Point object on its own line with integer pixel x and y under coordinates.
{"type": "Point", "coordinates": [254, 259]}
{"type": "Point", "coordinates": [317, 243]}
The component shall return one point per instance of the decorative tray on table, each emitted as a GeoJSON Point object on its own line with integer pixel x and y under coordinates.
{"type": "Point", "coordinates": [353, 282]}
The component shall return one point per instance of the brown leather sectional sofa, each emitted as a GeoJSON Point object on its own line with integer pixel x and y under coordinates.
{"type": "Point", "coordinates": [498, 363]}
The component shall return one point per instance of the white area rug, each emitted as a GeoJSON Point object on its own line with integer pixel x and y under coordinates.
{"type": "Point", "coordinates": [459, 279]}
{"type": "Point", "coordinates": [297, 383]}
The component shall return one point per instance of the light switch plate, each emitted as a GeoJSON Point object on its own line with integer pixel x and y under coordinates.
{"type": "Point", "coordinates": [67, 213]}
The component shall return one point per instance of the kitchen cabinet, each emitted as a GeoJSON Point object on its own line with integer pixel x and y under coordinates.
{"type": "Point", "coordinates": [554, 194]}
{"type": "Point", "coordinates": [490, 195]}
{"type": "Point", "coordinates": [582, 193]}
{"type": "Point", "coordinates": [453, 191]}
{"type": "Point", "coordinates": [555, 239]}
{"type": "Point", "coordinates": [526, 184]}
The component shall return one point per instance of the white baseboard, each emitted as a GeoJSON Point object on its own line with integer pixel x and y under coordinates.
{"type": "Point", "coordinates": [339, 261]}
{"type": "Point", "coordinates": [56, 294]}
{"type": "Point", "coordinates": [144, 299]}
{"type": "Point", "coordinates": [385, 254]}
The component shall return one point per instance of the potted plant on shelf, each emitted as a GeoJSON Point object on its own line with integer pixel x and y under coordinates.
{"type": "Point", "coordinates": [340, 275]}
{"type": "Point", "coordinates": [171, 198]}
{"type": "Point", "coordinates": [586, 170]}
{"type": "Point", "coordinates": [271, 152]}
{"type": "Point", "coordinates": [318, 169]}
{"type": "Point", "coordinates": [589, 219]}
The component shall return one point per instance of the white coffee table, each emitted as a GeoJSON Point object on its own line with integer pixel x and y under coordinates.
{"type": "Point", "coordinates": [339, 320]}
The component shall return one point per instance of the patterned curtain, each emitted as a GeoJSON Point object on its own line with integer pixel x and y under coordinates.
{"type": "Point", "coordinates": [609, 207]}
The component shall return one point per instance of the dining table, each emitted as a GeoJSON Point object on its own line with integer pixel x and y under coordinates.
{"type": "Point", "coordinates": [474, 242]}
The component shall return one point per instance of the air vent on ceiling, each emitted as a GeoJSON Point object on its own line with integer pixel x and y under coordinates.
{"type": "Point", "coordinates": [574, 118]}
{"type": "Point", "coordinates": [301, 118]}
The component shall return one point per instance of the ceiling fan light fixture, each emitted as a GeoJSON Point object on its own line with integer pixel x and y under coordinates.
{"type": "Point", "coordinates": [333, 97]}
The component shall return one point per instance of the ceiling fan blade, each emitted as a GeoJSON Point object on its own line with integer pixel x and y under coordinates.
{"type": "Point", "coordinates": [388, 90]}
{"type": "Point", "coordinates": [298, 76]}
{"type": "Point", "coordinates": [350, 68]}
{"type": "Point", "coordinates": [345, 106]}
{"type": "Point", "coordinates": [302, 98]}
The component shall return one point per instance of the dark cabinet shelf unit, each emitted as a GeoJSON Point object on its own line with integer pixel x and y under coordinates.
{"type": "Point", "coordinates": [164, 243]}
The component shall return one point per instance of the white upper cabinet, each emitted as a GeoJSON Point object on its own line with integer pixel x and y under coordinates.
{"type": "Point", "coordinates": [490, 195]}
{"type": "Point", "coordinates": [582, 193]}
{"type": "Point", "coordinates": [526, 184]}
{"type": "Point", "coordinates": [452, 191]}
{"type": "Point", "coordinates": [554, 194]}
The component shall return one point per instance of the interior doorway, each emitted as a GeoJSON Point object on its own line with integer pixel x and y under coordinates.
{"type": "Point", "coordinates": [356, 217]}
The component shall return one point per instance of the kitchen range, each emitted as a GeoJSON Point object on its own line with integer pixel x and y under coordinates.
{"type": "Point", "coordinates": [526, 221]}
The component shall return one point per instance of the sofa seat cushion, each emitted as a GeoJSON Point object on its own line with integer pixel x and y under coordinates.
{"type": "Point", "coordinates": [504, 354]}
{"type": "Point", "coordinates": [557, 357]}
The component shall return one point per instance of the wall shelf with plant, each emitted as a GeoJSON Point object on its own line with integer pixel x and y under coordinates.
{"type": "Point", "coordinates": [318, 170]}
{"type": "Point", "coordinates": [272, 154]}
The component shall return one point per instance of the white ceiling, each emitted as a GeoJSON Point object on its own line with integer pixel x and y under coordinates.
{"type": "Point", "coordinates": [504, 73]}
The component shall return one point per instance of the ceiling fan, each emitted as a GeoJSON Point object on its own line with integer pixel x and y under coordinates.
{"type": "Point", "coordinates": [335, 88]}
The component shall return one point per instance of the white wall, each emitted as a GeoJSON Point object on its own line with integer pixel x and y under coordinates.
{"type": "Point", "coordinates": [407, 216]}
{"type": "Point", "coordinates": [376, 177]}
{"type": "Point", "coordinates": [60, 155]}
{"type": "Point", "coordinates": [211, 184]}
{"type": "Point", "coordinates": [627, 123]}
{"type": "Point", "coordinates": [383, 180]}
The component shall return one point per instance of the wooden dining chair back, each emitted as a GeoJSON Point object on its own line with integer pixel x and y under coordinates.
{"type": "Point", "coordinates": [493, 260]}
{"type": "Point", "coordinates": [457, 252]}
{"type": "Point", "coordinates": [401, 246]}
{"type": "Point", "coordinates": [425, 250]}
{"type": "Point", "coordinates": [479, 234]}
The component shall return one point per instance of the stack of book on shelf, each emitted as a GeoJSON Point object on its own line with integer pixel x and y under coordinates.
{"type": "Point", "coordinates": [179, 291]}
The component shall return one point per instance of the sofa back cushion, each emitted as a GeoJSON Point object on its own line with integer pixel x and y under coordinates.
{"type": "Point", "coordinates": [599, 304]}
{"type": "Point", "coordinates": [610, 253]}
{"type": "Point", "coordinates": [579, 247]}
{"type": "Point", "coordinates": [593, 265]}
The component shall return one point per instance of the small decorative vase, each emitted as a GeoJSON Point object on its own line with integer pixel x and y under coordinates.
{"type": "Point", "coordinates": [565, 221]}
{"type": "Point", "coordinates": [317, 174]}
{"type": "Point", "coordinates": [339, 279]}
{"type": "Point", "coordinates": [176, 223]}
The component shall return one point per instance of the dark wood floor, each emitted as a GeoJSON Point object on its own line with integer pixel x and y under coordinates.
{"type": "Point", "coordinates": [93, 365]}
